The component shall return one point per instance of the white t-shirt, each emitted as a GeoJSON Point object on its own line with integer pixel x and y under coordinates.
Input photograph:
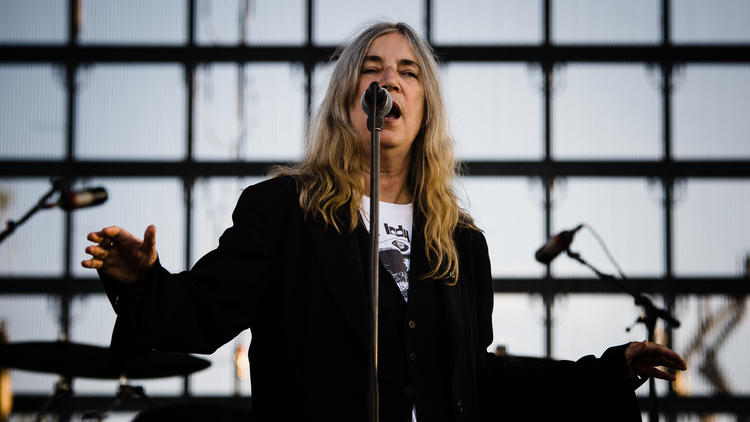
{"type": "Point", "coordinates": [394, 239]}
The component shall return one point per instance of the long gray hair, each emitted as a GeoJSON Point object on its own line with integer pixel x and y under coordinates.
{"type": "Point", "coordinates": [331, 175]}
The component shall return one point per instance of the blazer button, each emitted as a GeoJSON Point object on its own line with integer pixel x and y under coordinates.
{"type": "Point", "coordinates": [412, 356]}
{"type": "Point", "coordinates": [460, 406]}
{"type": "Point", "coordinates": [408, 391]}
{"type": "Point", "coordinates": [412, 324]}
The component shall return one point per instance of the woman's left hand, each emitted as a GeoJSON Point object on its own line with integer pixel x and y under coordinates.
{"type": "Point", "coordinates": [643, 358]}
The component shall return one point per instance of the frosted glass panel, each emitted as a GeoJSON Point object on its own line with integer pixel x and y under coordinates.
{"type": "Point", "coordinates": [266, 22]}
{"type": "Point", "coordinates": [606, 111]}
{"type": "Point", "coordinates": [336, 21]}
{"type": "Point", "coordinates": [696, 21]}
{"type": "Point", "coordinates": [253, 123]}
{"type": "Point", "coordinates": [710, 118]}
{"type": "Point", "coordinates": [134, 22]}
{"type": "Point", "coordinates": [495, 111]}
{"type": "Point", "coordinates": [606, 21]}
{"type": "Point", "coordinates": [320, 79]}
{"type": "Point", "coordinates": [214, 201]}
{"type": "Point", "coordinates": [518, 324]}
{"type": "Point", "coordinates": [37, 246]}
{"type": "Point", "coordinates": [133, 204]}
{"type": "Point", "coordinates": [486, 21]}
{"type": "Point", "coordinates": [509, 211]}
{"type": "Point", "coordinates": [33, 21]}
{"type": "Point", "coordinates": [712, 231]}
{"type": "Point", "coordinates": [626, 213]}
{"type": "Point", "coordinates": [32, 112]}
{"type": "Point", "coordinates": [589, 324]}
{"type": "Point", "coordinates": [132, 112]}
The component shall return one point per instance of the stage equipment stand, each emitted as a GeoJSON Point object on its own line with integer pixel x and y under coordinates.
{"type": "Point", "coordinates": [651, 313]}
{"type": "Point", "coordinates": [58, 185]}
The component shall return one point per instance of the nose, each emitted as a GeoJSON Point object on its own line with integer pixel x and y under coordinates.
{"type": "Point", "coordinates": [389, 79]}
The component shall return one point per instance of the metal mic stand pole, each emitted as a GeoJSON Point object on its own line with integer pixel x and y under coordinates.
{"type": "Point", "coordinates": [651, 314]}
{"type": "Point", "coordinates": [375, 124]}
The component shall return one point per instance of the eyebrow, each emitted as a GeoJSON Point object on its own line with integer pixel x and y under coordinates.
{"type": "Point", "coordinates": [403, 62]}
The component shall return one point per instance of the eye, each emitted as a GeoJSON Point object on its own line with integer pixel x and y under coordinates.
{"type": "Point", "coordinates": [411, 74]}
{"type": "Point", "coordinates": [369, 70]}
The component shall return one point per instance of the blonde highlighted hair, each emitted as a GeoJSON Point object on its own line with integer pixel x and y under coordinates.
{"type": "Point", "coordinates": [331, 175]}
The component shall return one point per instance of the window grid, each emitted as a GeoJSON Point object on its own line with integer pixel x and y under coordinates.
{"type": "Point", "coordinates": [548, 56]}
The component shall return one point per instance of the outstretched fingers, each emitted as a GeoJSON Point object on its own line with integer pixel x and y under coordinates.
{"type": "Point", "coordinates": [643, 359]}
{"type": "Point", "coordinates": [105, 239]}
{"type": "Point", "coordinates": [651, 371]}
{"type": "Point", "coordinates": [657, 354]}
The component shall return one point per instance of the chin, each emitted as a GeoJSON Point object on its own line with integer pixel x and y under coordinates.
{"type": "Point", "coordinates": [388, 142]}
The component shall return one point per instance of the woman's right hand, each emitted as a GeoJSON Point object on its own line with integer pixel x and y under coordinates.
{"type": "Point", "coordinates": [120, 255]}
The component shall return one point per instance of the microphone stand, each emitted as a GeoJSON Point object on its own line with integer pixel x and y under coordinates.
{"type": "Point", "coordinates": [57, 186]}
{"type": "Point", "coordinates": [375, 124]}
{"type": "Point", "coordinates": [651, 313]}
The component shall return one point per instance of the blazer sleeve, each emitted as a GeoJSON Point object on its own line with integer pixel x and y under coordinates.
{"type": "Point", "coordinates": [513, 388]}
{"type": "Point", "coordinates": [201, 309]}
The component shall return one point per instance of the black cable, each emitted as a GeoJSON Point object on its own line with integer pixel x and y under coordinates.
{"type": "Point", "coordinates": [606, 250]}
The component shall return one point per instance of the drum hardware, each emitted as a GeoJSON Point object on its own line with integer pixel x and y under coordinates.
{"type": "Point", "coordinates": [75, 360]}
{"type": "Point", "coordinates": [125, 391]}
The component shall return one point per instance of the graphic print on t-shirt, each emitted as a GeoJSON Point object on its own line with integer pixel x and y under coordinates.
{"type": "Point", "coordinates": [394, 239]}
{"type": "Point", "coordinates": [395, 248]}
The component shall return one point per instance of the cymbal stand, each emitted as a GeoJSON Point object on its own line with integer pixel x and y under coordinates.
{"type": "Point", "coordinates": [62, 394]}
{"type": "Point", "coordinates": [125, 391]}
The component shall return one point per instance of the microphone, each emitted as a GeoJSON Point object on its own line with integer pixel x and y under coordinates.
{"type": "Point", "coordinates": [384, 103]}
{"type": "Point", "coordinates": [556, 245]}
{"type": "Point", "coordinates": [74, 199]}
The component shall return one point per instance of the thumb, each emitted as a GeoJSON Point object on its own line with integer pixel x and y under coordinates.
{"type": "Point", "coordinates": [149, 241]}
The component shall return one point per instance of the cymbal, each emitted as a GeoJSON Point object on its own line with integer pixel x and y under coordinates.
{"type": "Point", "coordinates": [86, 361]}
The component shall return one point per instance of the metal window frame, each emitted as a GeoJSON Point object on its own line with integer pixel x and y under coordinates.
{"type": "Point", "coordinates": [665, 55]}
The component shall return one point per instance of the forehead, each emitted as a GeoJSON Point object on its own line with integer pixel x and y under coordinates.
{"type": "Point", "coordinates": [392, 45]}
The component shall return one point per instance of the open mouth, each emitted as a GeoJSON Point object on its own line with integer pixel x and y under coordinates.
{"type": "Point", "coordinates": [395, 112]}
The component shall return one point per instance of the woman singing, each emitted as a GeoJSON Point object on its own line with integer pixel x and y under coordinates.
{"type": "Point", "coordinates": [293, 269]}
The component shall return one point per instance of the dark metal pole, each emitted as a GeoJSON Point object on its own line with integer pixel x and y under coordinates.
{"type": "Point", "coordinates": [71, 88]}
{"type": "Point", "coordinates": [668, 186]}
{"type": "Point", "coordinates": [189, 181]}
{"type": "Point", "coordinates": [309, 64]}
{"type": "Point", "coordinates": [428, 20]}
{"type": "Point", "coordinates": [547, 68]}
{"type": "Point", "coordinates": [375, 124]}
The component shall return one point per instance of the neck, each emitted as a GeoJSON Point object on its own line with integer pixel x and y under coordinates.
{"type": "Point", "coordinates": [393, 180]}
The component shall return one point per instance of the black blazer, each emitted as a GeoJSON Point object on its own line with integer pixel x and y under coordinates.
{"type": "Point", "coordinates": [301, 288]}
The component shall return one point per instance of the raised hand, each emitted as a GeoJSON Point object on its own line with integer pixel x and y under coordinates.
{"type": "Point", "coordinates": [120, 255]}
{"type": "Point", "coordinates": [643, 358]}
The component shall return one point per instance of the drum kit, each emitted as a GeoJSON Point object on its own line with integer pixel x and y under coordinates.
{"type": "Point", "coordinates": [74, 360]}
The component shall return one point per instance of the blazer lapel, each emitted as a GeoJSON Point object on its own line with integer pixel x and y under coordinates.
{"type": "Point", "coordinates": [343, 272]}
